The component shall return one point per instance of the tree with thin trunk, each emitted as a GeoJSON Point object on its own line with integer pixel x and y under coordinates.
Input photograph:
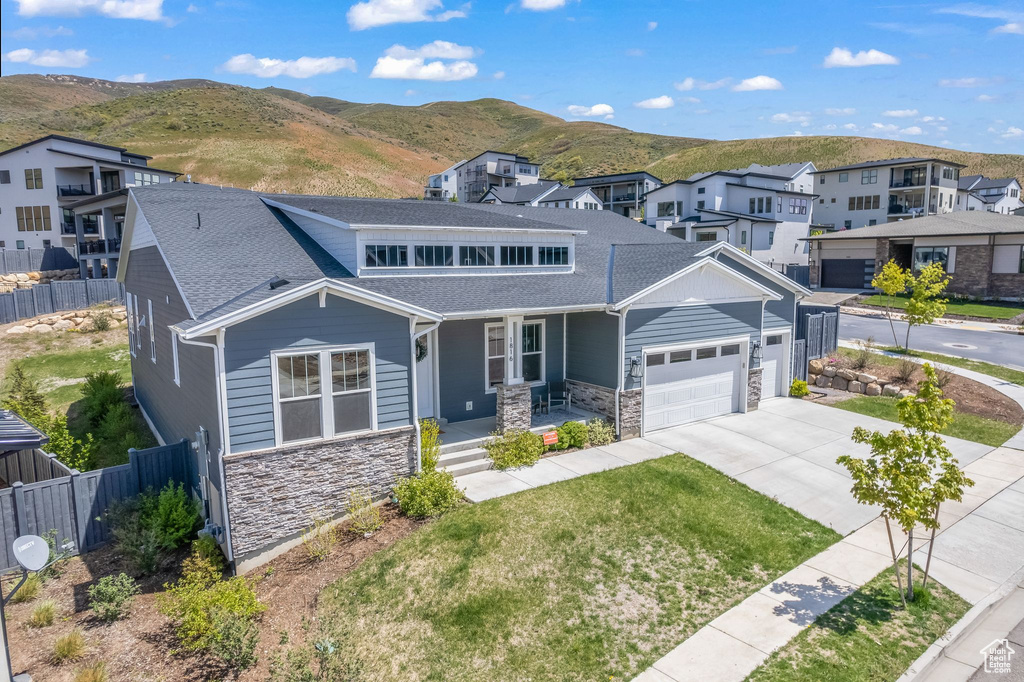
{"type": "Point", "coordinates": [910, 472]}
{"type": "Point", "coordinates": [892, 281]}
{"type": "Point", "coordinates": [925, 304]}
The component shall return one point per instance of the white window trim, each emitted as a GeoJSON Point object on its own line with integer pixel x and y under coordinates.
{"type": "Point", "coordinates": [138, 323]}
{"type": "Point", "coordinates": [326, 391]}
{"type": "Point", "coordinates": [519, 349]}
{"type": "Point", "coordinates": [174, 358]}
{"type": "Point", "coordinates": [152, 330]}
{"type": "Point", "coordinates": [487, 354]}
{"type": "Point", "coordinates": [131, 323]}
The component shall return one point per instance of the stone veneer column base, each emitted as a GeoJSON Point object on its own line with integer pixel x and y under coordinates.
{"type": "Point", "coordinates": [514, 407]}
{"type": "Point", "coordinates": [273, 495]}
{"type": "Point", "coordinates": [631, 406]}
{"type": "Point", "coordinates": [754, 387]}
{"type": "Point", "coordinates": [593, 398]}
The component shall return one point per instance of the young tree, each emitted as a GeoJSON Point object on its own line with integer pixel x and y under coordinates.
{"type": "Point", "coordinates": [893, 281]}
{"type": "Point", "coordinates": [925, 306]}
{"type": "Point", "coordinates": [910, 472]}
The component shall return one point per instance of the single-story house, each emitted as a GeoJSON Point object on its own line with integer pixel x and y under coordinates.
{"type": "Point", "coordinates": [308, 335]}
{"type": "Point", "coordinates": [982, 252]}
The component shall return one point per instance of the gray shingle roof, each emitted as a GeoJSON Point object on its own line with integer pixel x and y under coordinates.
{"type": "Point", "coordinates": [18, 434]}
{"type": "Point", "coordinates": [521, 193]}
{"type": "Point", "coordinates": [889, 162]}
{"type": "Point", "coordinates": [566, 193]}
{"type": "Point", "coordinates": [957, 223]}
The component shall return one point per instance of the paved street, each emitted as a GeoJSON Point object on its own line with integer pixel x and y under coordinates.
{"type": "Point", "coordinates": [996, 347]}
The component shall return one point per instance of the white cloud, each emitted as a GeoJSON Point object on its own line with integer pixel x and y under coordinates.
{"type": "Point", "coordinates": [885, 127]}
{"type": "Point", "coordinates": [303, 67]}
{"type": "Point", "coordinates": [693, 83]}
{"type": "Point", "coordinates": [26, 33]}
{"type": "Point", "coordinates": [662, 102]}
{"type": "Point", "coordinates": [1014, 18]}
{"type": "Point", "coordinates": [149, 10]}
{"type": "Point", "coordinates": [542, 5]}
{"type": "Point", "coordinates": [691, 100]}
{"type": "Point", "coordinates": [932, 119]}
{"type": "Point", "coordinates": [410, 93]}
{"type": "Point", "coordinates": [831, 126]}
{"type": "Point", "coordinates": [985, 98]}
{"type": "Point", "coordinates": [843, 111]}
{"type": "Point", "coordinates": [1012, 133]}
{"type": "Point", "coordinates": [132, 78]}
{"type": "Point", "coordinates": [1013, 27]}
{"type": "Point", "coordinates": [192, 8]}
{"type": "Point", "coordinates": [850, 126]}
{"type": "Point", "coordinates": [900, 113]}
{"type": "Point", "coordinates": [795, 133]}
{"type": "Point", "coordinates": [405, 63]}
{"type": "Point", "coordinates": [973, 82]}
{"type": "Point", "coordinates": [651, 25]}
{"type": "Point", "coordinates": [757, 83]}
{"type": "Point", "coordinates": [912, 130]}
{"type": "Point", "coordinates": [498, 75]}
{"type": "Point", "coordinates": [66, 59]}
{"type": "Point", "coordinates": [596, 110]}
{"type": "Point", "coordinates": [802, 118]}
{"type": "Point", "coordinates": [371, 13]}
{"type": "Point", "coordinates": [840, 57]}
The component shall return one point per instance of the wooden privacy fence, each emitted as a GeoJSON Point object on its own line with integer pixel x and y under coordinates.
{"type": "Point", "coordinates": [800, 359]}
{"type": "Point", "coordinates": [30, 260]}
{"type": "Point", "coordinates": [30, 466]}
{"type": "Point", "coordinates": [818, 326]}
{"type": "Point", "coordinates": [73, 504]}
{"type": "Point", "coordinates": [58, 297]}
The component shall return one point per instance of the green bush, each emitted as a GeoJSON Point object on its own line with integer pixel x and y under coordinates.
{"type": "Point", "coordinates": [111, 597]}
{"type": "Point", "coordinates": [600, 432]}
{"type": "Point", "coordinates": [26, 399]}
{"type": "Point", "coordinates": [101, 322]}
{"type": "Point", "coordinates": [363, 516]}
{"type": "Point", "coordinates": [208, 549]}
{"type": "Point", "coordinates": [150, 524]}
{"type": "Point", "coordinates": [430, 444]}
{"type": "Point", "coordinates": [100, 392]}
{"type": "Point", "coordinates": [798, 389]}
{"type": "Point", "coordinates": [211, 614]}
{"type": "Point", "coordinates": [176, 516]}
{"type": "Point", "coordinates": [118, 420]}
{"type": "Point", "coordinates": [573, 434]}
{"type": "Point", "coordinates": [327, 660]}
{"type": "Point", "coordinates": [428, 493]}
{"type": "Point", "coordinates": [514, 448]}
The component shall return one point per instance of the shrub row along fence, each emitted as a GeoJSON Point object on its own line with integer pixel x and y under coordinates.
{"type": "Point", "coordinates": [72, 504]}
{"type": "Point", "coordinates": [58, 297]}
{"type": "Point", "coordinates": [30, 260]}
{"type": "Point", "coordinates": [817, 335]}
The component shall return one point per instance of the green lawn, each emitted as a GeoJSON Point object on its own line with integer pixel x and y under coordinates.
{"type": "Point", "coordinates": [966, 426]}
{"type": "Point", "coordinates": [995, 311]}
{"type": "Point", "coordinates": [998, 371]}
{"type": "Point", "coordinates": [867, 637]}
{"type": "Point", "coordinates": [588, 579]}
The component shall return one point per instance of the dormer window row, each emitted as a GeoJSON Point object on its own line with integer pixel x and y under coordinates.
{"type": "Point", "coordinates": [443, 256]}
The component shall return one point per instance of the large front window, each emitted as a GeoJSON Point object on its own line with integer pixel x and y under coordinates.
{"type": "Point", "coordinates": [301, 382]}
{"type": "Point", "coordinates": [533, 351]}
{"type": "Point", "coordinates": [666, 208]}
{"type": "Point", "coordinates": [495, 354]}
{"type": "Point", "coordinates": [386, 256]}
{"type": "Point", "coordinates": [925, 256]}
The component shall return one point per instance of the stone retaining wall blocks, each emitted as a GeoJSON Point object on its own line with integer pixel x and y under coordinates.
{"type": "Point", "coordinates": [830, 371]}
{"type": "Point", "coordinates": [890, 390]}
{"type": "Point", "coordinates": [872, 389]}
{"type": "Point", "coordinates": [866, 378]}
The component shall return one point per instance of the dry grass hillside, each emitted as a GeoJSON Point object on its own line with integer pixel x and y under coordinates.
{"type": "Point", "coordinates": [280, 140]}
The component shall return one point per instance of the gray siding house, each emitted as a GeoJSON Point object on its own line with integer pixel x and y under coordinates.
{"type": "Point", "coordinates": [307, 336]}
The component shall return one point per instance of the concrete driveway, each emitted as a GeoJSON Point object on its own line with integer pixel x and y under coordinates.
{"type": "Point", "coordinates": [787, 450]}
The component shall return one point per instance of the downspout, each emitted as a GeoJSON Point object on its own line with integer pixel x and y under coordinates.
{"type": "Point", "coordinates": [218, 366]}
{"type": "Point", "coordinates": [415, 407]}
{"type": "Point", "coordinates": [620, 364]}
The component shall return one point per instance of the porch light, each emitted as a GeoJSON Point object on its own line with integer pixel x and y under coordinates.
{"type": "Point", "coordinates": [636, 368]}
{"type": "Point", "coordinates": [755, 351]}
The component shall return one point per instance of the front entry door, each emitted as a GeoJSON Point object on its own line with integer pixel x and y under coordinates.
{"type": "Point", "coordinates": [425, 375]}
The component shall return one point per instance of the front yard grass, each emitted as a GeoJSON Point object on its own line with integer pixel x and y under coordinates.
{"type": "Point", "coordinates": [867, 637]}
{"type": "Point", "coordinates": [966, 426]}
{"type": "Point", "coordinates": [593, 578]}
{"type": "Point", "coordinates": [994, 311]}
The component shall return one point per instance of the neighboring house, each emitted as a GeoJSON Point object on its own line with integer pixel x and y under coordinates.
{"type": "Point", "coordinates": [978, 193]}
{"type": "Point", "coordinates": [876, 192]}
{"type": "Point", "coordinates": [310, 369]}
{"type": "Point", "coordinates": [493, 169]}
{"type": "Point", "coordinates": [622, 193]}
{"type": "Point", "coordinates": [443, 186]}
{"type": "Point", "coordinates": [571, 197]}
{"type": "Point", "coordinates": [763, 210]}
{"type": "Point", "coordinates": [980, 250]}
{"type": "Point", "coordinates": [42, 179]}
{"type": "Point", "coordinates": [520, 195]}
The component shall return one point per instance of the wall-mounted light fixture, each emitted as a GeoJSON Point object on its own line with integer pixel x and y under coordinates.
{"type": "Point", "coordinates": [636, 368]}
{"type": "Point", "coordinates": [755, 351]}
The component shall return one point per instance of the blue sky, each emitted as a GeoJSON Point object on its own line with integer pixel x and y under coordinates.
{"type": "Point", "coordinates": [937, 73]}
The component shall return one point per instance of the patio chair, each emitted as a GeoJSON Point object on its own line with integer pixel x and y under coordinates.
{"type": "Point", "coordinates": [558, 394]}
{"type": "Point", "coordinates": [540, 403]}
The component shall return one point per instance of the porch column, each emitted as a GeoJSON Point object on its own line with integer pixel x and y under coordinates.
{"type": "Point", "coordinates": [928, 190]}
{"type": "Point", "coordinates": [514, 397]}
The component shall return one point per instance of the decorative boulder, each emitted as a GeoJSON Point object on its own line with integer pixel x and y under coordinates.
{"type": "Point", "coordinates": [19, 329]}
{"type": "Point", "coordinates": [34, 276]}
{"type": "Point", "coordinates": [823, 381]}
{"type": "Point", "coordinates": [44, 328]}
{"type": "Point", "coordinates": [816, 366]}
{"type": "Point", "coordinates": [882, 382]}
{"type": "Point", "coordinates": [872, 389]}
{"type": "Point", "coordinates": [890, 390]}
{"type": "Point", "coordinates": [829, 371]}
{"type": "Point", "coordinates": [866, 378]}
{"type": "Point", "coordinates": [63, 325]}
{"type": "Point", "coordinates": [906, 393]}
{"type": "Point", "coordinates": [855, 387]}
{"type": "Point", "coordinates": [847, 374]}
{"type": "Point", "coordinates": [839, 383]}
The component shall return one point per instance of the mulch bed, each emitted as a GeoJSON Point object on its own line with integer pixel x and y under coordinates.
{"type": "Point", "coordinates": [141, 646]}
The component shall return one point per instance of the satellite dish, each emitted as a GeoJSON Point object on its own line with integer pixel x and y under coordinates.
{"type": "Point", "coordinates": [32, 552]}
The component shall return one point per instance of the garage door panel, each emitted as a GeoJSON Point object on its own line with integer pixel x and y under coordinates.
{"type": "Point", "coordinates": [769, 378]}
{"type": "Point", "coordinates": [676, 393]}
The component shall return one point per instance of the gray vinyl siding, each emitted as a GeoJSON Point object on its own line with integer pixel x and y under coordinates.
{"type": "Point", "coordinates": [776, 313]}
{"type": "Point", "coordinates": [176, 411]}
{"type": "Point", "coordinates": [462, 348]}
{"type": "Point", "coordinates": [303, 323]}
{"type": "Point", "coordinates": [593, 343]}
{"type": "Point", "coordinates": [665, 326]}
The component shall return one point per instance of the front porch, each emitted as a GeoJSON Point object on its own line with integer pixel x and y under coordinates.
{"type": "Point", "coordinates": [456, 436]}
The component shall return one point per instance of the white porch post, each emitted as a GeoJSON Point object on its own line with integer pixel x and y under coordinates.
{"type": "Point", "coordinates": [513, 352]}
{"type": "Point", "coordinates": [514, 399]}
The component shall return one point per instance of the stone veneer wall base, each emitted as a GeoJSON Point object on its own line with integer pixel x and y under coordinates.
{"type": "Point", "coordinates": [514, 407]}
{"type": "Point", "coordinates": [631, 405]}
{"type": "Point", "coordinates": [754, 377]}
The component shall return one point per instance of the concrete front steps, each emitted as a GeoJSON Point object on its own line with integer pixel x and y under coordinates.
{"type": "Point", "coordinates": [467, 460]}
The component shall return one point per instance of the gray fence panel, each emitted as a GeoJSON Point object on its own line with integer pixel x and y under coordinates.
{"type": "Point", "coordinates": [813, 338]}
{"type": "Point", "coordinates": [58, 297]}
{"type": "Point", "coordinates": [829, 333]}
{"type": "Point", "coordinates": [31, 466]}
{"type": "Point", "coordinates": [801, 274]}
{"type": "Point", "coordinates": [800, 360]}
{"type": "Point", "coordinates": [7, 313]}
{"type": "Point", "coordinates": [24, 303]}
{"type": "Point", "coordinates": [103, 291]}
{"type": "Point", "coordinates": [8, 528]}
{"type": "Point", "coordinates": [48, 507]}
{"type": "Point", "coordinates": [28, 260]}
{"type": "Point", "coordinates": [95, 492]}
{"type": "Point", "coordinates": [43, 299]}
{"type": "Point", "coordinates": [69, 295]}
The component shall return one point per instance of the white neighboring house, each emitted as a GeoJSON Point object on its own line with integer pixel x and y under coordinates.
{"type": "Point", "coordinates": [493, 169]}
{"type": "Point", "coordinates": [621, 192]}
{"type": "Point", "coordinates": [978, 193]}
{"type": "Point", "coordinates": [571, 197]}
{"type": "Point", "coordinates": [762, 210]}
{"type": "Point", "coordinates": [877, 192]}
{"type": "Point", "coordinates": [443, 186]}
{"type": "Point", "coordinates": [545, 194]}
{"type": "Point", "coordinates": [40, 180]}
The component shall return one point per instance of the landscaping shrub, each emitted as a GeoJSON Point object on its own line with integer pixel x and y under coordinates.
{"type": "Point", "coordinates": [862, 357]}
{"type": "Point", "coordinates": [111, 597]}
{"type": "Point", "coordinates": [514, 448]}
{"type": "Point", "coordinates": [430, 444]}
{"type": "Point", "coordinates": [600, 432]}
{"type": "Point", "coordinates": [97, 672]}
{"type": "Point", "coordinates": [573, 434]}
{"type": "Point", "coordinates": [150, 524]}
{"type": "Point", "coordinates": [326, 660]}
{"type": "Point", "coordinates": [208, 549]}
{"type": "Point", "coordinates": [211, 614]}
{"type": "Point", "coordinates": [364, 518]}
{"type": "Point", "coordinates": [905, 371]}
{"type": "Point", "coordinates": [29, 590]}
{"type": "Point", "coordinates": [428, 493]}
{"type": "Point", "coordinates": [319, 539]}
{"type": "Point", "coordinates": [101, 322]}
{"type": "Point", "coordinates": [137, 541]}
{"type": "Point", "coordinates": [42, 615]}
{"type": "Point", "coordinates": [176, 517]}
{"type": "Point", "coordinates": [100, 392]}
{"type": "Point", "coordinates": [69, 647]}
{"type": "Point", "coordinates": [943, 376]}
{"type": "Point", "coordinates": [798, 389]}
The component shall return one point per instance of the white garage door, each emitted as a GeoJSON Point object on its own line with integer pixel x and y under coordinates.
{"type": "Point", "coordinates": [684, 385]}
{"type": "Point", "coordinates": [774, 360]}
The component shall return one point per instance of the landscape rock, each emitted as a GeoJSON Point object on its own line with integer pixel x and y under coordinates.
{"type": "Point", "coordinates": [42, 328]}
{"type": "Point", "coordinates": [890, 390]}
{"type": "Point", "coordinates": [69, 316]}
{"type": "Point", "coordinates": [873, 389]}
{"type": "Point", "coordinates": [855, 387]}
{"type": "Point", "coordinates": [30, 323]}
{"type": "Point", "coordinates": [823, 381]}
{"type": "Point", "coordinates": [34, 276]}
{"type": "Point", "coordinates": [816, 366]}
{"type": "Point", "coordinates": [866, 378]}
{"type": "Point", "coordinates": [829, 371]}
{"type": "Point", "coordinates": [847, 374]}
{"type": "Point", "coordinates": [882, 382]}
{"type": "Point", "coordinates": [63, 325]}
{"type": "Point", "coordinates": [906, 393]}
{"type": "Point", "coordinates": [19, 329]}
{"type": "Point", "coordinates": [21, 277]}
{"type": "Point", "coordinates": [839, 383]}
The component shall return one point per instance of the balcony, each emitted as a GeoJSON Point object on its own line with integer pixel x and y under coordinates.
{"type": "Point", "coordinates": [99, 246]}
{"type": "Point", "coordinates": [85, 190]}
{"type": "Point", "coordinates": [624, 197]}
{"type": "Point", "coordinates": [67, 228]}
